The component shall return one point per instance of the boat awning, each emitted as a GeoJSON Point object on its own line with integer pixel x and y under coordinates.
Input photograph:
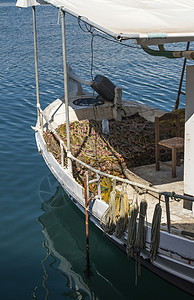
{"type": "Point", "coordinates": [28, 3]}
{"type": "Point", "coordinates": [150, 22]}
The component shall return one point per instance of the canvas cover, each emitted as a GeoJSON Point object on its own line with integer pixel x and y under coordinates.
{"type": "Point", "coordinates": [135, 18]}
{"type": "Point", "coordinates": [28, 3]}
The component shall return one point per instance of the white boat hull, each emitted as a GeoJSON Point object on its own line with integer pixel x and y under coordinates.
{"type": "Point", "coordinates": [175, 259]}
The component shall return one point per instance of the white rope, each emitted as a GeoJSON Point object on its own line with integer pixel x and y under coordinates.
{"type": "Point", "coordinates": [108, 218]}
{"type": "Point", "coordinates": [123, 214]}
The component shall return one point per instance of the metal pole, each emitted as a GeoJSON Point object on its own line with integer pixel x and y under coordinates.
{"type": "Point", "coordinates": [98, 185]}
{"type": "Point", "coordinates": [181, 81]}
{"type": "Point", "coordinates": [87, 271]}
{"type": "Point", "coordinates": [177, 196]}
{"type": "Point", "coordinates": [36, 66]}
{"type": "Point", "coordinates": [62, 154]}
{"type": "Point", "coordinates": [69, 163]}
{"type": "Point", "coordinates": [167, 212]}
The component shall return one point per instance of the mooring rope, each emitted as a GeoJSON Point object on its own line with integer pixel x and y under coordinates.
{"type": "Point", "coordinates": [108, 218]}
{"type": "Point", "coordinates": [155, 231]}
{"type": "Point", "coordinates": [123, 214]}
{"type": "Point", "coordinates": [141, 235]}
{"type": "Point", "coordinates": [132, 229]}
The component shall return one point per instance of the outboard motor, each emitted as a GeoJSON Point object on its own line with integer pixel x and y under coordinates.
{"type": "Point", "coordinates": [104, 87]}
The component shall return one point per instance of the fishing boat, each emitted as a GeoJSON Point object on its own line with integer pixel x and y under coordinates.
{"type": "Point", "coordinates": [104, 150]}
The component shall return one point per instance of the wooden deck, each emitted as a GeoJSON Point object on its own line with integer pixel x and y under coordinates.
{"type": "Point", "coordinates": [181, 219]}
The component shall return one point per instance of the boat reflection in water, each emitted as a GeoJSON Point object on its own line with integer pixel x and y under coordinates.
{"type": "Point", "coordinates": [61, 241]}
{"type": "Point", "coordinates": [114, 275]}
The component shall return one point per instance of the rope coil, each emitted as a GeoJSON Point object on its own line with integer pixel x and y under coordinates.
{"type": "Point", "coordinates": [141, 235]}
{"type": "Point", "coordinates": [108, 221]}
{"type": "Point", "coordinates": [123, 214]}
{"type": "Point", "coordinates": [155, 232]}
{"type": "Point", "coordinates": [132, 227]}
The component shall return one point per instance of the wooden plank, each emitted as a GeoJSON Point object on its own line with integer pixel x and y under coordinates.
{"type": "Point", "coordinates": [177, 142]}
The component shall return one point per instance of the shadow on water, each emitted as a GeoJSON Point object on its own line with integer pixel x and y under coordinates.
{"type": "Point", "coordinates": [114, 275]}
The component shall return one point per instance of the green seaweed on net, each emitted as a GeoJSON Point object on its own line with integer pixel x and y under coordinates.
{"type": "Point", "coordinates": [130, 143]}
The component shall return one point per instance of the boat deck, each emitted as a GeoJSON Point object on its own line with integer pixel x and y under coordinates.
{"type": "Point", "coordinates": [181, 218]}
{"type": "Point", "coordinates": [131, 140]}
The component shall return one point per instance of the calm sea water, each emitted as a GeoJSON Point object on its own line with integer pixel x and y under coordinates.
{"type": "Point", "coordinates": [50, 264]}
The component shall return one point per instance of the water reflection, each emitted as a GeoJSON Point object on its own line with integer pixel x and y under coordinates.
{"type": "Point", "coordinates": [114, 275]}
{"type": "Point", "coordinates": [75, 284]}
{"type": "Point", "coordinates": [61, 243]}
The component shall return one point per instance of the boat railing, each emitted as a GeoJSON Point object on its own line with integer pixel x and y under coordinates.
{"type": "Point", "coordinates": [142, 187]}
{"type": "Point", "coordinates": [54, 132]}
{"type": "Point", "coordinates": [97, 172]}
{"type": "Point", "coordinates": [167, 196]}
{"type": "Point", "coordinates": [145, 189]}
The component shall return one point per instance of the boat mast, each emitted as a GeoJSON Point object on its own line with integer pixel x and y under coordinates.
{"type": "Point", "coordinates": [69, 163]}
{"type": "Point", "coordinates": [36, 66]}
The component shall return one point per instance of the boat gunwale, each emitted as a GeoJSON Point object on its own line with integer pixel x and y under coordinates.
{"type": "Point", "coordinates": [64, 169]}
{"type": "Point", "coordinates": [157, 267]}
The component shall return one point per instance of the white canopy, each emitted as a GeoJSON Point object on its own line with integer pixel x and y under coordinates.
{"type": "Point", "coordinates": [27, 3]}
{"type": "Point", "coordinates": [133, 18]}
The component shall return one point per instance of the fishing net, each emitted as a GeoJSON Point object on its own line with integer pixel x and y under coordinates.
{"type": "Point", "coordinates": [130, 143]}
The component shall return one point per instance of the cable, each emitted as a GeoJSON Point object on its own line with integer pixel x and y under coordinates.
{"type": "Point", "coordinates": [88, 28]}
{"type": "Point", "coordinates": [92, 56]}
{"type": "Point", "coordinates": [113, 41]}
{"type": "Point", "coordinates": [91, 30]}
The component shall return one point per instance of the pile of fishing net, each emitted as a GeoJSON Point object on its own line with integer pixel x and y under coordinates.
{"type": "Point", "coordinates": [130, 143]}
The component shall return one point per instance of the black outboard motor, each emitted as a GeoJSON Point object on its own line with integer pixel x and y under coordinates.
{"type": "Point", "coordinates": [104, 87]}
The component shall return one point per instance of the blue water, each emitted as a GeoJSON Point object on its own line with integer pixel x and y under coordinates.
{"type": "Point", "coordinates": [29, 267]}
